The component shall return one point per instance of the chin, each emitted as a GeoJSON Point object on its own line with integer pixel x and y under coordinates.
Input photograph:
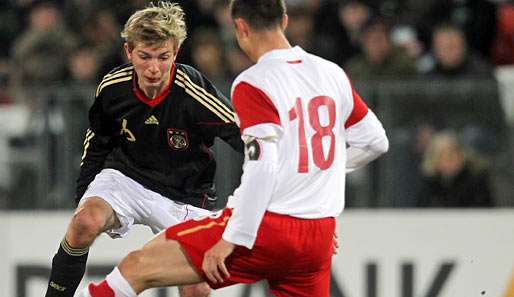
{"type": "Point", "coordinates": [153, 84]}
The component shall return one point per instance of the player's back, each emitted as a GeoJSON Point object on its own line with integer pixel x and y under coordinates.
{"type": "Point", "coordinates": [313, 98]}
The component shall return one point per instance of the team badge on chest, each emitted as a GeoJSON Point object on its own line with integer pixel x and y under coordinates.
{"type": "Point", "coordinates": [178, 139]}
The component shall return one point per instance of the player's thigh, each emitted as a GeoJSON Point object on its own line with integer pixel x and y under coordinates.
{"type": "Point", "coordinates": [303, 285]}
{"type": "Point", "coordinates": [166, 212]}
{"type": "Point", "coordinates": [161, 262]}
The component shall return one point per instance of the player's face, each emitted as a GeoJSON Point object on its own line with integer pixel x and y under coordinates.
{"type": "Point", "coordinates": [152, 64]}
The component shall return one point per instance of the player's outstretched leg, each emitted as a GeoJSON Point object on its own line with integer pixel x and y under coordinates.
{"type": "Point", "coordinates": [159, 263]}
{"type": "Point", "coordinates": [68, 266]}
{"type": "Point", "coordinates": [69, 263]}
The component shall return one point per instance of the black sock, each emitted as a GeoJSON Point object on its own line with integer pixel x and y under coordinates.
{"type": "Point", "coordinates": [68, 267]}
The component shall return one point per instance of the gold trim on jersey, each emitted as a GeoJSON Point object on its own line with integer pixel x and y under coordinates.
{"type": "Point", "coordinates": [204, 97]}
{"type": "Point", "coordinates": [128, 68]}
{"type": "Point", "coordinates": [89, 135]}
{"type": "Point", "coordinates": [202, 227]}
{"type": "Point", "coordinates": [116, 77]}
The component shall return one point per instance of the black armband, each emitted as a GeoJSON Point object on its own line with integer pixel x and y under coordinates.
{"type": "Point", "coordinates": [253, 150]}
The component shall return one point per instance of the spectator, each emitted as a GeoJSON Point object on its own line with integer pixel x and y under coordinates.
{"type": "Point", "coordinates": [10, 26]}
{"type": "Point", "coordinates": [101, 35]}
{"type": "Point", "coordinates": [476, 17]}
{"type": "Point", "coordinates": [453, 176]}
{"type": "Point", "coordinates": [453, 58]}
{"type": "Point", "coordinates": [406, 37]}
{"type": "Point", "coordinates": [208, 56]}
{"type": "Point", "coordinates": [338, 26]}
{"type": "Point", "coordinates": [221, 14]}
{"type": "Point", "coordinates": [237, 60]}
{"type": "Point", "coordinates": [380, 58]}
{"type": "Point", "coordinates": [38, 53]}
{"type": "Point", "coordinates": [503, 47]}
{"type": "Point", "coordinates": [83, 66]}
{"type": "Point", "coordinates": [300, 30]}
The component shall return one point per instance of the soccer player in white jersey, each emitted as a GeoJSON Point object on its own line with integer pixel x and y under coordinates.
{"type": "Point", "coordinates": [297, 113]}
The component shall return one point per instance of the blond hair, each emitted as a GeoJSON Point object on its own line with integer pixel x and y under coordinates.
{"type": "Point", "coordinates": [441, 143]}
{"type": "Point", "coordinates": [155, 25]}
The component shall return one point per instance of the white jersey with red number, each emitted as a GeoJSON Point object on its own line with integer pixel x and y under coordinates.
{"type": "Point", "coordinates": [307, 104]}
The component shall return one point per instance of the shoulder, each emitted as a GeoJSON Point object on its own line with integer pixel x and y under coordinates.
{"type": "Point", "coordinates": [115, 78]}
{"type": "Point", "coordinates": [205, 96]}
{"type": "Point", "coordinates": [195, 83]}
{"type": "Point", "coordinates": [189, 72]}
{"type": "Point", "coordinates": [255, 76]}
{"type": "Point", "coordinates": [188, 77]}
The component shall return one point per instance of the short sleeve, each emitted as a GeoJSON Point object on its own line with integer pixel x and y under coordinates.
{"type": "Point", "coordinates": [359, 111]}
{"type": "Point", "coordinates": [256, 112]}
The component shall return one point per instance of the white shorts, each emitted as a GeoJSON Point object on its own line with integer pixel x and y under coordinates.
{"type": "Point", "coordinates": [135, 204]}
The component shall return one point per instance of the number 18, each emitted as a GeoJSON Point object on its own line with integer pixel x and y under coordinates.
{"type": "Point", "coordinates": [322, 162]}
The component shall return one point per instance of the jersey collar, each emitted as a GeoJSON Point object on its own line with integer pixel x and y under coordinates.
{"type": "Point", "coordinates": [149, 101]}
{"type": "Point", "coordinates": [293, 54]}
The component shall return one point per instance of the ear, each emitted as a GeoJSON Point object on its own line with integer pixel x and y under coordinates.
{"type": "Point", "coordinates": [242, 28]}
{"type": "Point", "coordinates": [128, 51]}
{"type": "Point", "coordinates": [285, 21]}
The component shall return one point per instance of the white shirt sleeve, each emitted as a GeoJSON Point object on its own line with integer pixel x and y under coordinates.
{"type": "Point", "coordinates": [253, 196]}
{"type": "Point", "coordinates": [367, 140]}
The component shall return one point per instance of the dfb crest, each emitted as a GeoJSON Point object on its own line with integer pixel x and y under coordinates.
{"type": "Point", "coordinates": [178, 139]}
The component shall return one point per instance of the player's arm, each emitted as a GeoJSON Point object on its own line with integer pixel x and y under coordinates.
{"type": "Point", "coordinates": [260, 126]}
{"type": "Point", "coordinates": [98, 143]}
{"type": "Point", "coordinates": [365, 135]}
{"type": "Point", "coordinates": [252, 197]}
{"type": "Point", "coordinates": [229, 132]}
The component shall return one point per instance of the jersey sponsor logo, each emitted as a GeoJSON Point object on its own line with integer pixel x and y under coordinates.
{"type": "Point", "coordinates": [178, 139]}
{"type": "Point", "coordinates": [152, 120]}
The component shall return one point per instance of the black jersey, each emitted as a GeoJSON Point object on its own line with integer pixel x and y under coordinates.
{"type": "Point", "coordinates": [162, 143]}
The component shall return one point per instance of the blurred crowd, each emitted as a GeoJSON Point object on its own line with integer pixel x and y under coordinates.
{"type": "Point", "coordinates": [45, 42]}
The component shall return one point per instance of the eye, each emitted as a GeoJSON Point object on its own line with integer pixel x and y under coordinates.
{"type": "Point", "coordinates": [164, 58]}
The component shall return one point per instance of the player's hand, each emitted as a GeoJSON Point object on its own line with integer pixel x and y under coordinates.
{"type": "Point", "coordinates": [214, 261]}
{"type": "Point", "coordinates": [335, 242]}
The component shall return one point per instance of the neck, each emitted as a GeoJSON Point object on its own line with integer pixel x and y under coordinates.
{"type": "Point", "coordinates": [153, 92]}
{"type": "Point", "coordinates": [266, 41]}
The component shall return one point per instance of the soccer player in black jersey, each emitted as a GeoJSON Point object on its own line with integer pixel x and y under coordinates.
{"type": "Point", "coordinates": [146, 155]}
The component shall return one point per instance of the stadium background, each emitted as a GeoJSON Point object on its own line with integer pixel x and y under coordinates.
{"type": "Point", "coordinates": [52, 53]}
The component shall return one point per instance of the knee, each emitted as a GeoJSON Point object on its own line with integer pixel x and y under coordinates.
{"type": "Point", "coordinates": [87, 223]}
{"type": "Point", "coordinates": [197, 290]}
{"type": "Point", "coordinates": [133, 268]}
{"type": "Point", "coordinates": [132, 262]}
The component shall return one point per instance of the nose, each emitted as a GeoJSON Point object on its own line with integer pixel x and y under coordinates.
{"type": "Point", "coordinates": [154, 66]}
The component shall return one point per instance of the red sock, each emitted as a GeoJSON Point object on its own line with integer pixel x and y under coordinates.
{"type": "Point", "coordinates": [101, 290]}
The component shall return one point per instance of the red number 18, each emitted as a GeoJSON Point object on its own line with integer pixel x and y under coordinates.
{"type": "Point", "coordinates": [316, 141]}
